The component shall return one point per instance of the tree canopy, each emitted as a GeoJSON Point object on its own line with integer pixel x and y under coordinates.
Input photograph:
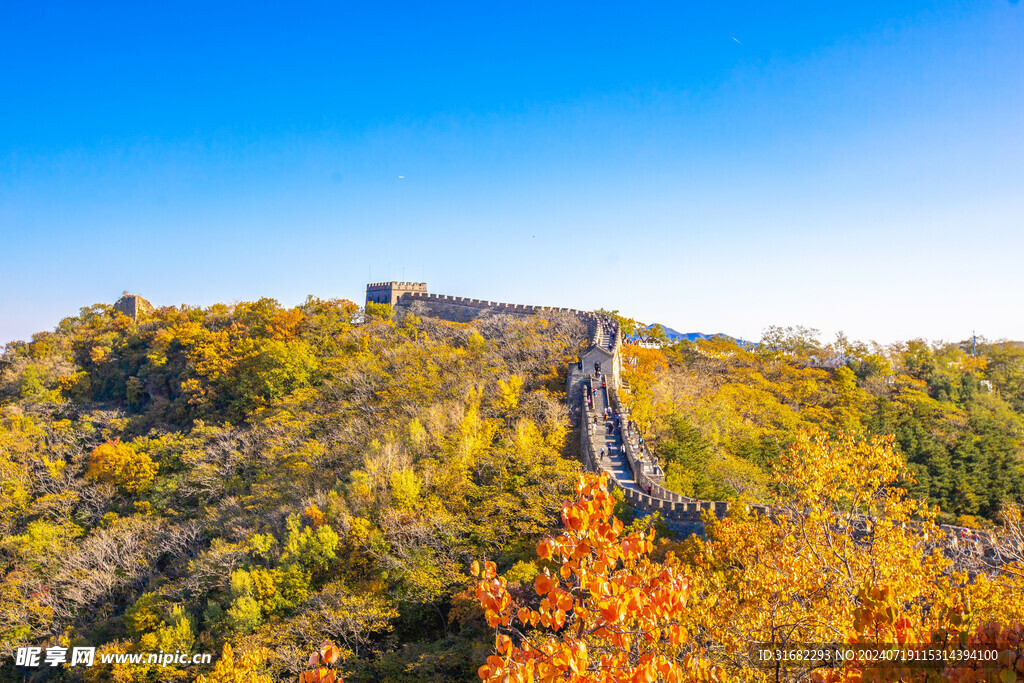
{"type": "Point", "coordinates": [254, 479]}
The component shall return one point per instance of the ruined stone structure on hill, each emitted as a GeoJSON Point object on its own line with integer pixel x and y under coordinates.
{"type": "Point", "coordinates": [132, 305]}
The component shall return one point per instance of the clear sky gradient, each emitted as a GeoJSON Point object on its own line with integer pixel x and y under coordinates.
{"type": "Point", "coordinates": [722, 166]}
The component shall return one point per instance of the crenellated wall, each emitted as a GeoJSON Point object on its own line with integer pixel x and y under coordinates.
{"type": "Point", "coordinates": [646, 472]}
{"type": "Point", "coordinates": [462, 309]}
{"type": "Point", "coordinates": [391, 292]}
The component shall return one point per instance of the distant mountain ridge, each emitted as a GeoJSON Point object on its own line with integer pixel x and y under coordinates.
{"type": "Point", "coordinates": [676, 336]}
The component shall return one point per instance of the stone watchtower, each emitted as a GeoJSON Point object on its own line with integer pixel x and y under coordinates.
{"type": "Point", "coordinates": [391, 292]}
{"type": "Point", "coordinates": [132, 305]}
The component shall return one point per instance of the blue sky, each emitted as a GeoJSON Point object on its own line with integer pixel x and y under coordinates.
{"type": "Point", "coordinates": [712, 166]}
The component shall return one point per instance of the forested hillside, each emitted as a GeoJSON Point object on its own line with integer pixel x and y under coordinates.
{"type": "Point", "coordinates": [272, 477]}
{"type": "Point", "coordinates": [720, 414]}
{"type": "Point", "coordinates": [253, 480]}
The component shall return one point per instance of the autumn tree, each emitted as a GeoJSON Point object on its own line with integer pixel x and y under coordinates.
{"type": "Point", "coordinates": [607, 611]}
{"type": "Point", "coordinates": [841, 522]}
{"type": "Point", "coordinates": [247, 667]}
{"type": "Point", "coordinates": [118, 463]}
{"type": "Point", "coordinates": [799, 341]}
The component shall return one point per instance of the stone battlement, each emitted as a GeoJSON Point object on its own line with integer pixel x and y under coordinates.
{"type": "Point", "coordinates": [378, 286]}
{"type": "Point", "coordinates": [464, 309]}
{"type": "Point", "coordinates": [685, 511]}
{"type": "Point", "coordinates": [390, 293]}
{"type": "Point", "coordinates": [483, 304]}
{"type": "Point", "coordinates": [414, 297]}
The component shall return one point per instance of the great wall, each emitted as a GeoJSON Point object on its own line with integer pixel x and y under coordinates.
{"type": "Point", "coordinates": [609, 440]}
{"type": "Point", "coordinates": [608, 443]}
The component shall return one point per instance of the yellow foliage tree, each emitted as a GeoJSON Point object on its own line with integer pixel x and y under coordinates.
{"type": "Point", "coordinates": [315, 515]}
{"type": "Point", "coordinates": [119, 464]}
{"type": "Point", "coordinates": [246, 668]}
{"type": "Point", "coordinates": [841, 524]}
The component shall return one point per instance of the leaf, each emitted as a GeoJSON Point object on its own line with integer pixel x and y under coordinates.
{"type": "Point", "coordinates": [329, 652]}
{"type": "Point", "coordinates": [544, 584]}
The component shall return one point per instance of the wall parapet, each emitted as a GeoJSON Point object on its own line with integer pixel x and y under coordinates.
{"type": "Point", "coordinates": [400, 285]}
{"type": "Point", "coordinates": [410, 297]}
